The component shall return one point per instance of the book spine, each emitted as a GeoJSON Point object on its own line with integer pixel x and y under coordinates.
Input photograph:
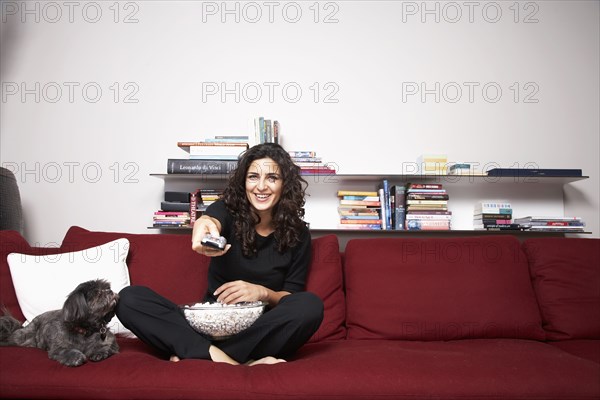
{"type": "Point", "coordinates": [360, 221]}
{"type": "Point", "coordinates": [492, 221]}
{"type": "Point", "coordinates": [263, 131]}
{"type": "Point", "coordinates": [398, 197]}
{"type": "Point", "coordinates": [209, 167]}
{"type": "Point", "coordinates": [428, 224]}
{"type": "Point", "coordinates": [304, 154]}
{"type": "Point", "coordinates": [429, 216]}
{"type": "Point", "coordinates": [341, 193]}
{"type": "Point", "coordinates": [256, 130]}
{"type": "Point", "coordinates": [276, 132]}
{"type": "Point", "coordinates": [492, 210]}
{"type": "Point", "coordinates": [170, 213]}
{"type": "Point", "coordinates": [383, 212]}
{"type": "Point", "coordinates": [213, 144]}
{"type": "Point", "coordinates": [426, 196]}
{"type": "Point", "coordinates": [361, 203]}
{"type": "Point", "coordinates": [360, 226]}
{"type": "Point", "coordinates": [216, 150]}
{"type": "Point", "coordinates": [268, 131]}
{"type": "Point", "coordinates": [388, 204]}
{"type": "Point", "coordinates": [498, 227]}
{"type": "Point", "coordinates": [492, 216]}
{"type": "Point", "coordinates": [492, 205]}
{"type": "Point", "coordinates": [194, 206]}
{"type": "Point", "coordinates": [424, 186]}
{"type": "Point", "coordinates": [410, 201]}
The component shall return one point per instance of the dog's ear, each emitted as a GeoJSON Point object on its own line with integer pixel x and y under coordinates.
{"type": "Point", "coordinates": [76, 309]}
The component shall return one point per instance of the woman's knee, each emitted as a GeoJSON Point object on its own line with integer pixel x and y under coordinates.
{"type": "Point", "coordinates": [130, 298]}
{"type": "Point", "coordinates": [309, 305]}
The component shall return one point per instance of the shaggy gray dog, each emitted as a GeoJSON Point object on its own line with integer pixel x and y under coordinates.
{"type": "Point", "coordinates": [74, 334]}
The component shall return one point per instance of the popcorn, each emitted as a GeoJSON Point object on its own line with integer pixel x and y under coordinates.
{"type": "Point", "coordinates": [219, 321]}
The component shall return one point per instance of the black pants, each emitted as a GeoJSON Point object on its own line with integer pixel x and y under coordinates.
{"type": "Point", "coordinates": [279, 332]}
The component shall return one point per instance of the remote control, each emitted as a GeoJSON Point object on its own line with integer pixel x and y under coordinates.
{"type": "Point", "coordinates": [216, 242]}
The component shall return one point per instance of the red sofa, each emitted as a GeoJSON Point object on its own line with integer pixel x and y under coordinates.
{"type": "Point", "coordinates": [405, 318]}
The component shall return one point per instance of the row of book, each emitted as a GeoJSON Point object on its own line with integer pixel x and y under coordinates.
{"type": "Point", "coordinates": [427, 207]}
{"type": "Point", "coordinates": [498, 215]}
{"type": "Point", "coordinates": [551, 224]}
{"type": "Point", "coordinates": [266, 131]}
{"type": "Point", "coordinates": [310, 163]}
{"type": "Point", "coordinates": [211, 156]}
{"type": "Point", "coordinates": [359, 209]}
{"type": "Point", "coordinates": [219, 154]}
{"type": "Point", "coordinates": [416, 206]}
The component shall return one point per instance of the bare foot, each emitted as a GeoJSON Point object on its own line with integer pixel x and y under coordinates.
{"type": "Point", "coordinates": [217, 355]}
{"type": "Point", "coordinates": [174, 358]}
{"type": "Point", "coordinates": [266, 360]}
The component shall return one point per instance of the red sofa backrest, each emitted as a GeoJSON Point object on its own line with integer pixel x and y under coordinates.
{"type": "Point", "coordinates": [439, 289]}
{"type": "Point", "coordinates": [167, 264]}
{"type": "Point", "coordinates": [566, 279]}
{"type": "Point", "coordinates": [13, 242]}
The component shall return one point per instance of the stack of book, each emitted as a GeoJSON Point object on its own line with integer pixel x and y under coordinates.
{"type": "Point", "coordinates": [310, 164]}
{"type": "Point", "coordinates": [212, 156]}
{"type": "Point", "coordinates": [427, 207]}
{"type": "Point", "coordinates": [171, 219]}
{"type": "Point", "coordinates": [432, 164]}
{"type": "Point", "coordinates": [200, 200]}
{"type": "Point", "coordinates": [359, 210]}
{"type": "Point", "coordinates": [493, 215]}
{"type": "Point", "coordinates": [266, 131]}
{"type": "Point", "coordinates": [209, 196]}
{"type": "Point", "coordinates": [551, 224]}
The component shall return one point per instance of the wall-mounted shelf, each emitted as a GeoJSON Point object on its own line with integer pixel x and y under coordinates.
{"type": "Point", "coordinates": [443, 179]}
{"type": "Point", "coordinates": [531, 196]}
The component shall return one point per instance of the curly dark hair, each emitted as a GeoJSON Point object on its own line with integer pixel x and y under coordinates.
{"type": "Point", "coordinates": [288, 213]}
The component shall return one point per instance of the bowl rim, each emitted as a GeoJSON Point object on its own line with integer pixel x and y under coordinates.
{"type": "Point", "coordinates": [236, 306]}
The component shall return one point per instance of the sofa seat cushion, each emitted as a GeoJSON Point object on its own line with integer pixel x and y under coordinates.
{"type": "Point", "coordinates": [135, 373]}
{"type": "Point", "coordinates": [588, 349]}
{"type": "Point", "coordinates": [439, 289]}
{"type": "Point", "coordinates": [566, 279]}
{"type": "Point", "coordinates": [351, 369]}
{"type": "Point", "coordinates": [470, 369]}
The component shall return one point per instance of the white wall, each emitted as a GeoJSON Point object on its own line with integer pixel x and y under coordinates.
{"type": "Point", "coordinates": [83, 159]}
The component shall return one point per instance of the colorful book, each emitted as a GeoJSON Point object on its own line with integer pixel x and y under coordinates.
{"type": "Point", "coordinates": [360, 203]}
{"type": "Point", "coordinates": [341, 193]}
{"type": "Point", "coordinates": [209, 167]}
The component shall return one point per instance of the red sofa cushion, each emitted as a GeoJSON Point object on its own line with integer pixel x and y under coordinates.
{"type": "Point", "coordinates": [439, 289]}
{"type": "Point", "coordinates": [584, 348]}
{"type": "Point", "coordinates": [566, 279]}
{"type": "Point", "coordinates": [326, 281]}
{"type": "Point", "coordinates": [167, 264]}
{"type": "Point", "coordinates": [13, 242]}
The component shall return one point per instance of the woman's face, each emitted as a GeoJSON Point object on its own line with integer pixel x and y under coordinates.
{"type": "Point", "coordinates": [263, 184]}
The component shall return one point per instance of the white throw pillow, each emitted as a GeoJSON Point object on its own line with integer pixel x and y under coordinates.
{"type": "Point", "coordinates": [42, 283]}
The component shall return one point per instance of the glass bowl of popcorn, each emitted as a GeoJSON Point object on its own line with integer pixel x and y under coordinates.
{"type": "Point", "coordinates": [220, 321]}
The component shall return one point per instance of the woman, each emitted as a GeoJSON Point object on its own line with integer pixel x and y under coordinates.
{"type": "Point", "coordinates": [266, 259]}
